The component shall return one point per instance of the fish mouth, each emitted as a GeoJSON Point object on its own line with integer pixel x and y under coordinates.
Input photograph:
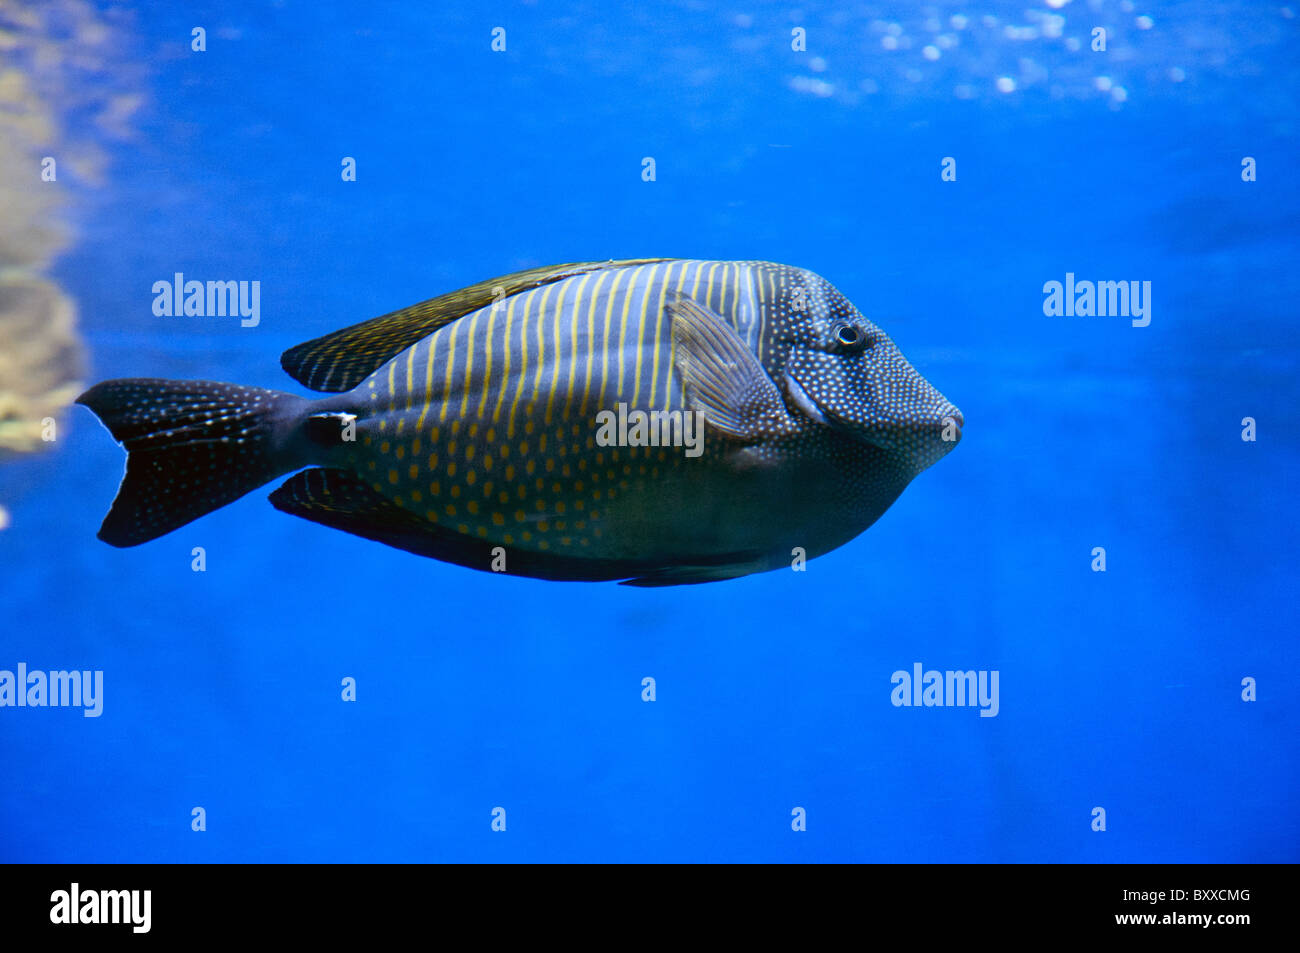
{"type": "Point", "coordinates": [956, 417]}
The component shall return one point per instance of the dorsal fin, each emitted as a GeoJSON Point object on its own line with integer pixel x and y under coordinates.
{"type": "Point", "coordinates": [343, 359]}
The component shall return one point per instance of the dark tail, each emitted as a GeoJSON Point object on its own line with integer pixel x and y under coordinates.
{"type": "Point", "coordinates": [192, 447]}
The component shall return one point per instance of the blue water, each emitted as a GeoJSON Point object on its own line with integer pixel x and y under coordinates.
{"type": "Point", "coordinates": [1120, 690]}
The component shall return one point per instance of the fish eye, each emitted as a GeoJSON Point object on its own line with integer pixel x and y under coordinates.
{"type": "Point", "coordinates": [849, 338]}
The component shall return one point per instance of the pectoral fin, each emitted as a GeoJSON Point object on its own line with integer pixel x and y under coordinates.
{"type": "Point", "coordinates": [721, 376]}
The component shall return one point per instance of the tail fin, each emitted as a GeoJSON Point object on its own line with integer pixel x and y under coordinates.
{"type": "Point", "coordinates": [192, 447]}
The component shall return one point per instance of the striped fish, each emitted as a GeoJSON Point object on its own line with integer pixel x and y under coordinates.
{"type": "Point", "coordinates": [655, 421]}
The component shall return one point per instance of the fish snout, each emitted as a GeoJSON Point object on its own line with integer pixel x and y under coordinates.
{"type": "Point", "coordinates": [935, 434]}
{"type": "Point", "coordinates": [953, 417]}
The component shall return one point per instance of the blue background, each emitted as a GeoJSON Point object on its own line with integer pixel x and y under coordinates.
{"type": "Point", "coordinates": [1118, 689]}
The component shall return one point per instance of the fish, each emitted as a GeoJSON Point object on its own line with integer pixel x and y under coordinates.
{"type": "Point", "coordinates": [652, 421]}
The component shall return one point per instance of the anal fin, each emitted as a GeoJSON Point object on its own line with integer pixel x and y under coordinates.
{"type": "Point", "coordinates": [687, 575]}
{"type": "Point", "coordinates": [341, 500]}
